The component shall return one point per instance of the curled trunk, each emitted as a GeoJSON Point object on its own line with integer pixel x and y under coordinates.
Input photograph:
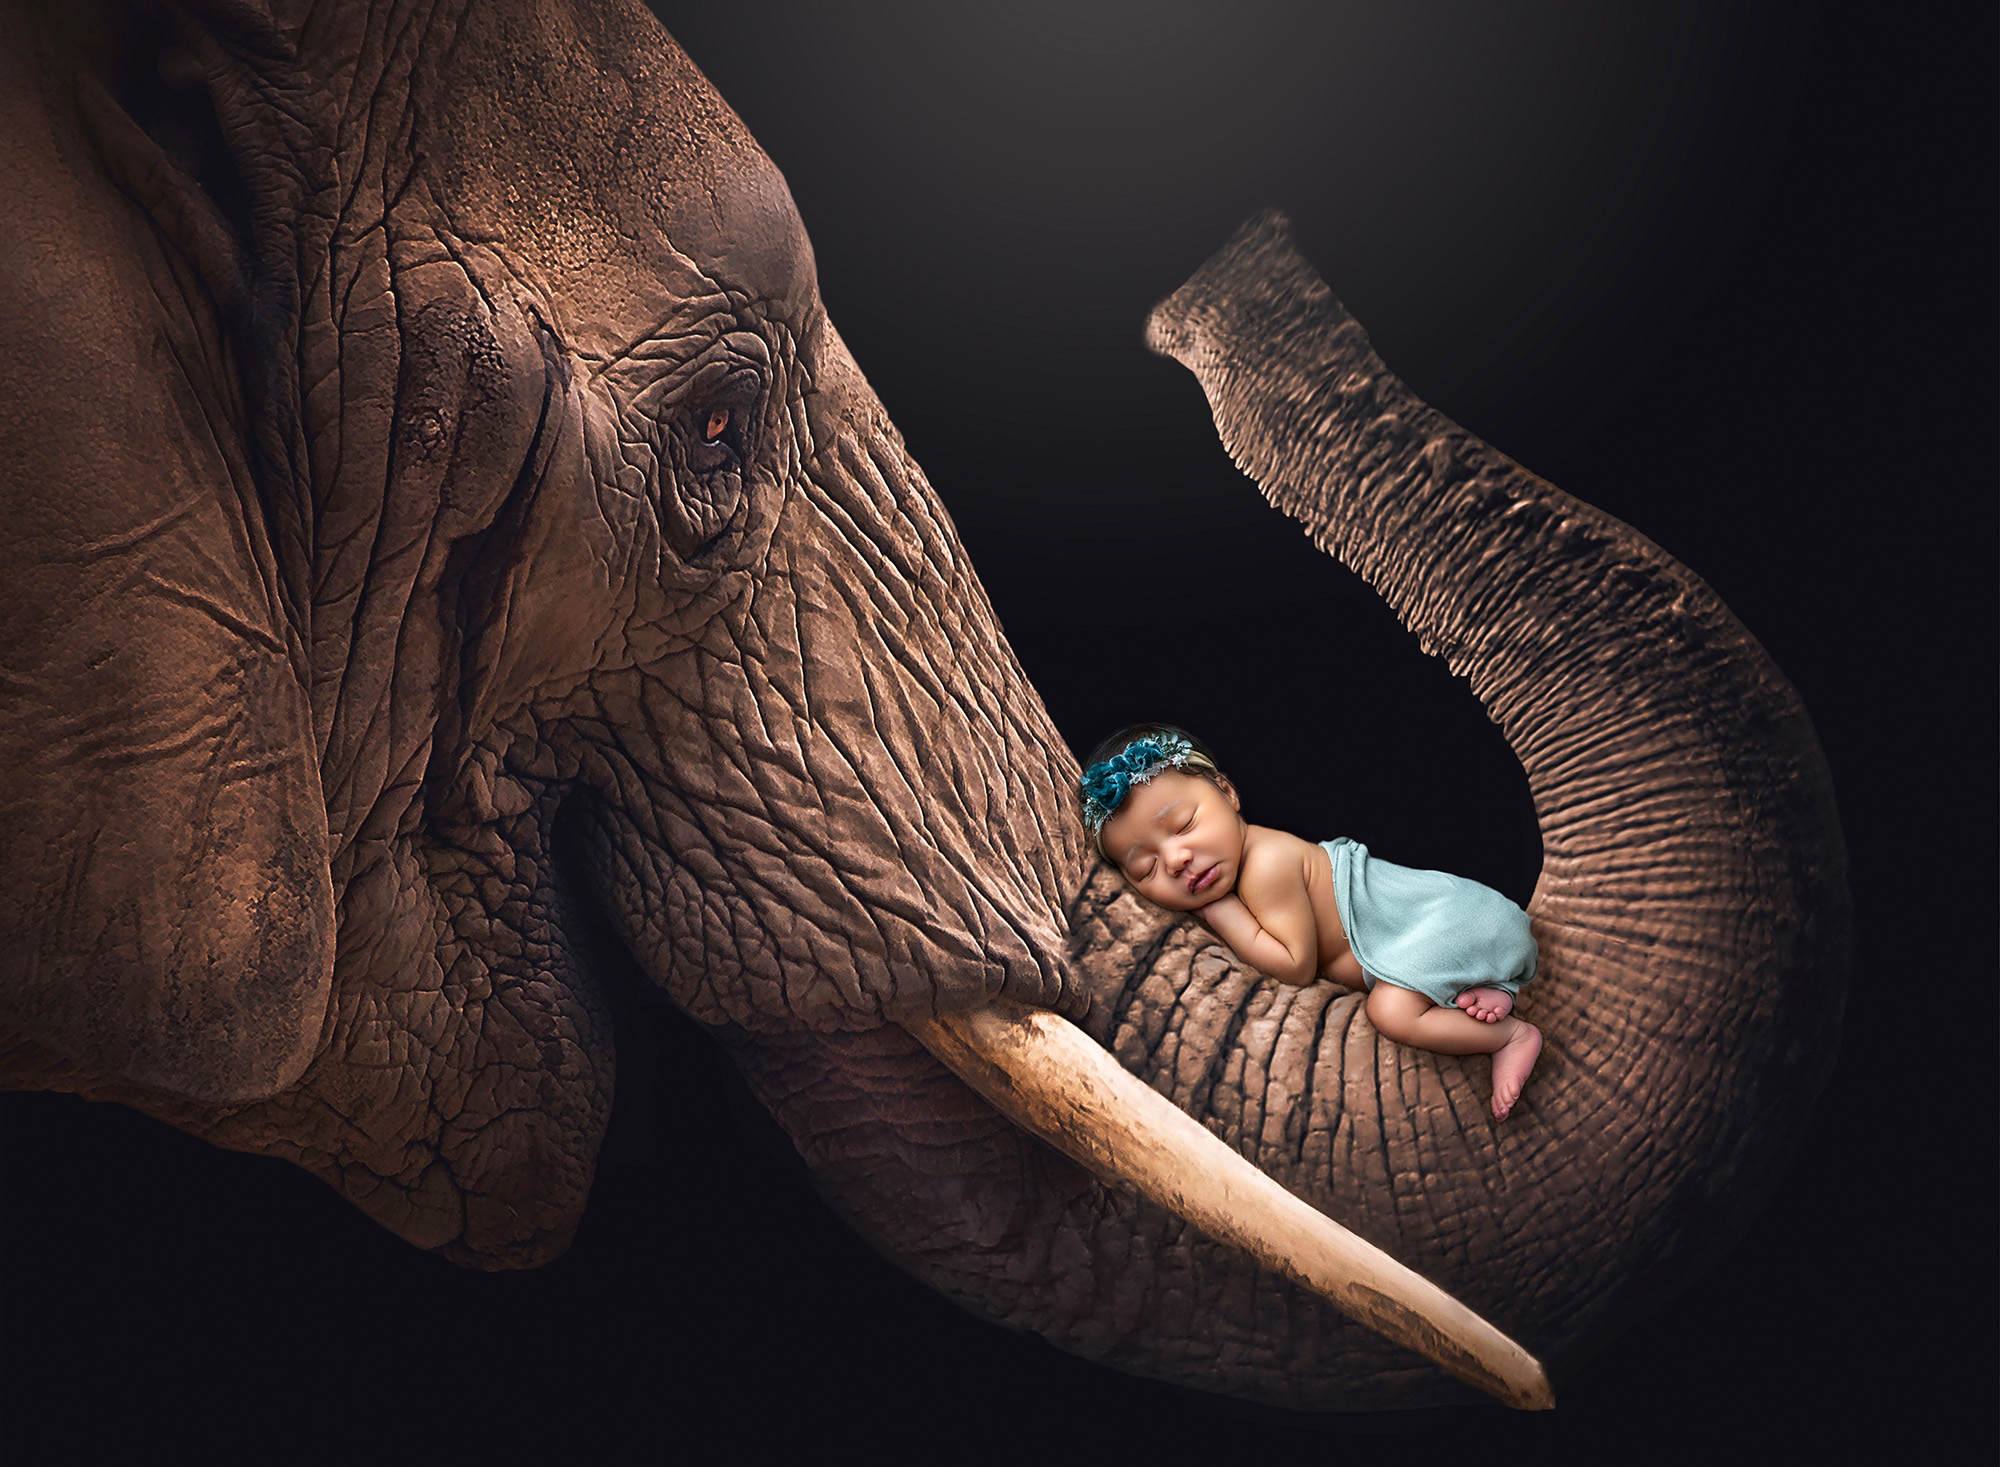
{"type": "Point", "coordinates": [1692, 917]}
{"type": "Point", "coordinates": [1692, 911]}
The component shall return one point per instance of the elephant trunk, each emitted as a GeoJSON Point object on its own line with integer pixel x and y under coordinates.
{"type": "Point", "coordinates": [855, 809]}
{"type": "Point", "coordinates": [1691, 918]}
{"type": "Point", "coordinates": [1692, 912]}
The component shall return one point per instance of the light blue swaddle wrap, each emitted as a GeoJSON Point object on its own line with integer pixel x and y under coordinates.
{"type": "Point", "coordinates": [1428, 931]}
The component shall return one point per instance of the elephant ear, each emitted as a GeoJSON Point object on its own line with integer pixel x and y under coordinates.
{"type": "Point", "coordinates": [166, 912]}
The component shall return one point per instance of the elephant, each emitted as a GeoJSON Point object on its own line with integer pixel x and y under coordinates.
{"type": "Point", "coordinates": [498, 548]}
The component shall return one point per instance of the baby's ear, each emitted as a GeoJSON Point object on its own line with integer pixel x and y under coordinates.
{"type": "Point", "coordinates": [1222, 783]}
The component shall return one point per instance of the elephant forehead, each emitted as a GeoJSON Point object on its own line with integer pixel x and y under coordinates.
{"type": "Point", "coordinates": [582, 142]}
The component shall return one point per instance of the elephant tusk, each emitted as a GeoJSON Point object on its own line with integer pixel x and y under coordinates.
{"type": "Point", "coordinates": [1049, 1077]}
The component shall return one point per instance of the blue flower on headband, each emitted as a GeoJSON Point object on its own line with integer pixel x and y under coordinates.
{"type": "Point", "coordinates": [1107, 782]}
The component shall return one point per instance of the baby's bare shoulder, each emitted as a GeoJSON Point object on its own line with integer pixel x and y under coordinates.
{"type": "Point", "coordinates": [1274, 862]}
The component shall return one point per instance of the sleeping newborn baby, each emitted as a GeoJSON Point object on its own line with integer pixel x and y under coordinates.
{"type": "Point", "coordinates": [1440, 957]}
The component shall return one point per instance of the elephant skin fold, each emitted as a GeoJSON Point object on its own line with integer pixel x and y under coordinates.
{"type": "Point", "coordinates": [453, 567]}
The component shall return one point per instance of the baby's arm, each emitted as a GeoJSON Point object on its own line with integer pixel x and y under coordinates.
{"type": "Point", "coordinates": [1277, 935]}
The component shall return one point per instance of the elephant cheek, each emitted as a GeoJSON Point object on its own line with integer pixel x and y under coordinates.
{"type": "Point", "coordinates": [699, 511]}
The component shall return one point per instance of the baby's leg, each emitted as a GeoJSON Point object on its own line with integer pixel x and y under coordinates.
{"type": "Point", "coordinates": [1488, 1005]}
{"type": "Point", "coordinates": [1410, 1018]}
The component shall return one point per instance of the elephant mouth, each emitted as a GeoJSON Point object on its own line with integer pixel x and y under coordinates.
{"type": "Point", "coordinates": [1052, 1079]}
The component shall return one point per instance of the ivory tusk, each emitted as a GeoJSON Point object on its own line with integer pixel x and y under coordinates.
{"type": "Point", "coordinates": [1049, 1077]}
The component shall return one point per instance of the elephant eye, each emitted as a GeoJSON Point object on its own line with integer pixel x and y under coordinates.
{"type": "Point", "coordinates": [716, 426]}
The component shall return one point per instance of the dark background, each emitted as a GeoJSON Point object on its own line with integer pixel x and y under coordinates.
{"type": "Point", "coordinates": [1726, 271]}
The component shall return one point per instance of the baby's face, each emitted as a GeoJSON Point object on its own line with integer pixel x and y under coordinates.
{"type": "Point", "coordinates": [1178, 839]}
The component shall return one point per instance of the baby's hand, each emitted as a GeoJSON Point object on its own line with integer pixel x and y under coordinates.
{"type": "Point", "coordinates": [1230, 919]}
{"type": "Point", "coordinates": [1224, 913]}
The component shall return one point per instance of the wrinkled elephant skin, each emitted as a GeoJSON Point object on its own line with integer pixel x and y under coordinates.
{"type": "Point", "coordinates": [443, 522]}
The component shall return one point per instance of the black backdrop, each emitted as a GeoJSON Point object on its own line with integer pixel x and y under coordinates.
{"type": "Point", "coordinates": [1725, 270]}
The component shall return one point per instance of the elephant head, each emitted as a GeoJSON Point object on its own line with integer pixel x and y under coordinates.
{"type": "Point", "coordinates": [510, 530]}
{"type": "Point", "coordinates": [446, 536]}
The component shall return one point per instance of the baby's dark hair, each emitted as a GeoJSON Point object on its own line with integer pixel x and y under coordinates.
{"type": "Point", "coordinates": [1200, 762]}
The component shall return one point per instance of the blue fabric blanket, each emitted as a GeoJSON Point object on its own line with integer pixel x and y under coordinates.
{"type": "Point", "coordinates": [1428, 931]}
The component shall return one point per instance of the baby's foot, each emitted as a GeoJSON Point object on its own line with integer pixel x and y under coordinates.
{"type": "Point", "coordinates": [1512, 1063]}
{"type": "Point", "coordinates": [1488, 1005]}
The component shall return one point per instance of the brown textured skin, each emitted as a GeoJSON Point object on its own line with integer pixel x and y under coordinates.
{"type": "Point", "coordinates": [1692, 918]}
{"type": "Point", "coordinates": [372, 610]}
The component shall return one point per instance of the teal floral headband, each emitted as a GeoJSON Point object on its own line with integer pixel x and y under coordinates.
{"type": "Point", "coordinates": [1107, 782]}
